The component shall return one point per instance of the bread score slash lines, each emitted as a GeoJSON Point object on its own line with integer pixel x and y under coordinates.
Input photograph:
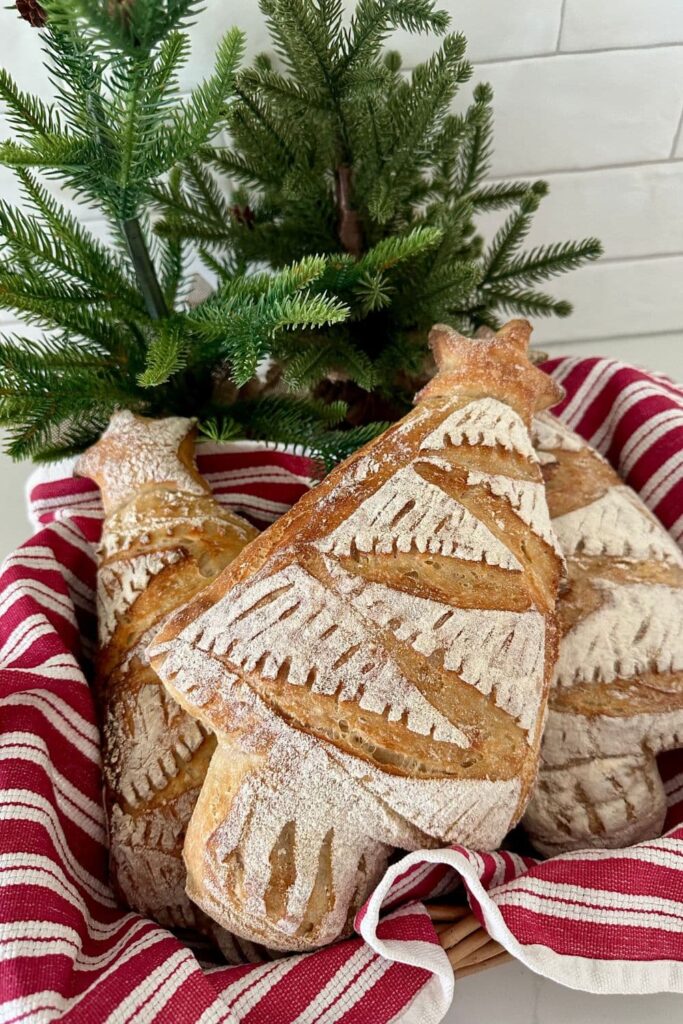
{"type": "Point", "coordinates": [527, 498]}
{"type": "Point", "coordinates": [412, 812]}
{"type": "Point", "coordinates": [408, 513]}
{"type": "Point", "coordinates": [498, 652]}
{"type": "Point", "coordinates": [288, 622]}
{"type": "Point", "coordinates": [181, 513]}
{"type": "Point", "coordinates": [637, 628]}
{"type": "Point", "coordinates": [120, 583]}
{"type": "Point", "coordinates": [158, 741]}
{"type": "Point", "coordinates": [472, 812]}
{"type": "Point", "coordinates": [608, 736]}
{"type": "Point", "coordinates": [273, 808]}
{"type": "Point", "coordinates": [163, 537]}
{"type": "Point", "coordinates": [483, 421]}
{"type": "Point", "coordinates": [617, 526]}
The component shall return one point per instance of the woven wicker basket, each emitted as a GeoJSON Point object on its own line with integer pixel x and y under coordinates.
{"type": "Point", "coordinates": [469, 947]}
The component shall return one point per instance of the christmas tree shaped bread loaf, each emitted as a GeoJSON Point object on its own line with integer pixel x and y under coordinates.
{"type": "Point", "coordinates": [617, 700]}
{"type": "Point", "coordinates": [376, 665]}
{"type": "Point", "coordinates": [164, 538]}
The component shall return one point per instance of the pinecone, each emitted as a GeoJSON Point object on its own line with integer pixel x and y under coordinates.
{"type": "Point", "coordinates": [32, 12]}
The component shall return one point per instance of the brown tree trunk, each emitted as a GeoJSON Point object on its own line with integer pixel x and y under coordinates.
{"type": "Point", "coordinates": [349, 227]}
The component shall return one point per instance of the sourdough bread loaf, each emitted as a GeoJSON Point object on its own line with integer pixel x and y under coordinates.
{"type": "Point", "coordinates": [375, 666]}
{"type": "Point", "coordinates": [164, 538]}
{"type": "Point", "coordinates": [617, 699]}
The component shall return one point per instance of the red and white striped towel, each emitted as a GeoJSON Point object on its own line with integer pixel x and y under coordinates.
{"type": "Point", "coordinates": [601, 921]}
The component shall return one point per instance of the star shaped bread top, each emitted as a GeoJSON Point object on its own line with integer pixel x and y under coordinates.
{"type": "Point", "coordinates": [136, 453]}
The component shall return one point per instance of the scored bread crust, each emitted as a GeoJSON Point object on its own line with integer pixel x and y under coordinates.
{"type": "Point", "coordinates": [376, 665]}
{"type": "Point", "coordinates": [164, 538]}
{"type": "Point", "coordinates": [617, 699]}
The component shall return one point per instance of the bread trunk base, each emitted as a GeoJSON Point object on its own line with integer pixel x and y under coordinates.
{"type": "Point", "coordinates": [258, 870]}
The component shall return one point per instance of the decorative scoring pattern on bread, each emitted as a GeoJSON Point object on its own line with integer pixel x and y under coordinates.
{"type": "Point", "coordinates": [615, 525]}
{"type": "Point", "coordinates": [527, 498]}
{"type": "Point", "coordinates": [635, 629]}
{"type": "Point", "coordinates": [120, 583]}
{"type": "Point", "coordinates": [408, 513]}
{"type": "Point", "coordinates": [164, 538]}
{"type": "Point", "coordinates": [376, 665]}
{"type": "Point", "coordinates": [617, 699]}
{"type": "Point", "coordinates": [501, 653]}
{"type": "Point", "coordinates": [486, 421]}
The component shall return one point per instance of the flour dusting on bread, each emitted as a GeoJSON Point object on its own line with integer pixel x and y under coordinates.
{"type": "Point", "coordinates": [376, 666]}
{"type": "Point", "coordinates": [618, 695]}
{"type": "Point", "coordinates": [616, 525]}
{"type": "Point", "coordinates": [409, 513]}
{"type": "Point", "coordinates": [163, 539]}
{"type": "Point", "coordinates": [484, 421]}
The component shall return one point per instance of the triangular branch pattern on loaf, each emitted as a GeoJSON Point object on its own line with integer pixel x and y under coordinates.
{"type": "Point", "coordinates": [472, 811]}
{"type": "Point", "coordinates": [158, 739]}
{"type": "Point", "coordinates": [615, 526]}
{"type": "Point", "coordinates": [498, 652]}
{"type": "Point", "coordinates": [120, 583]}
{"type": "Point", "coordinates": [636, 629]}
{"type": "Point", "coordinates": [527, 498]}
{"type": "Point", "coordinates": [611, 736]}
{"type": "Point", "coordinates": [289, 623]}
{"type": "Point", "coordinates": [408, 513]}
{"type": "Point", "coordinates": [484, 421]}
{"type": "Point", "coordinates": [179, 514]}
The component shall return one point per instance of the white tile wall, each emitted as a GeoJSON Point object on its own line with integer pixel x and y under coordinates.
{"type": "Point", "coordinates": [571, 111]}
{"type": "Point", "coordinates": [636, 211]}
{"type": "Point", "coordinates": [588, 93]}
{"type": "Point", "coordinates": [621, 298]}
{"type": "Point", "coordinates": [494, 29]}
{"type": "Point", "coordinates": [611, 24]}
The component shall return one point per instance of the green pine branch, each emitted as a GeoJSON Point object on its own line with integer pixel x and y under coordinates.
{"type": "Point", "coordinates": [117, 330]}
{"type": "Point", "coordinates": [338, 151]}
{"type": "Point", "coordinates": [191, 123]}
{"type": "Point", "coordinates": [340, 222]}
{"type": "Point", "coordinates": [314, 426]}
{"type": "Point", "coordinates": [546, 261]}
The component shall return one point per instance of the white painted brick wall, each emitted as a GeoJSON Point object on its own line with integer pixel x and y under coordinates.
{"type": "Point", "coordinates": [589, 95]}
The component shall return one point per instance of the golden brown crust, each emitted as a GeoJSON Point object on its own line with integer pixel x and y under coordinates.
{"type": "Point", "coordinates": [618, 694]}
{"type": "Point", "coordinates": [376, 664]}
{"type": "Point", "coordinates": [576, 479]}
{"type": "Point", "coordinates": [497, 365]}
{"type": "Point", "coordinates": [164, 538]}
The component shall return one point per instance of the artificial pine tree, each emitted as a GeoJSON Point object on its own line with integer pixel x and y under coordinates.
{"type": "Point", "coordinates": [338, 151]}
{"type": "Point", "coordinates": [117, 330]}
